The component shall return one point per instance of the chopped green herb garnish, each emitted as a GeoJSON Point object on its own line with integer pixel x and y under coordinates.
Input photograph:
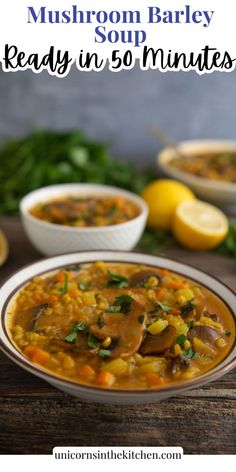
{"type": "Point", "coordinates": [190, 324]}
{"type": "Point", "coordinates": [73, 267]}
{"type": "Point", "coordinates": [181, 339]}
{"type": "Point", "coordinates": [141, 319]}
{"type": "Point", "coordinates": [187, 308]}
{"type": "Point", "coordinates": [83, 286]}
{"type": "Point", "coordinates": [104, 353]}
{"type": "Point", "coordinates": [112, 209]}
{"type": "Point", "coordinates": [228, 333]}
{"type": "Point", "coordinates": [228, 246]}
{"type": "Point", "coordinates": [124, 301]}
{"type": "Point", "coordinates": [100, 322]}
{"type": "Point", "coordinates": [116, 280]}
{"type": "Point", "coordinates": [164, 307]}
{"type": "Point", "coordinates": [64, 290]}
{"type": "Point", "coordinates": [75, 328]}
{"type": "Point", "coordinates": [113, 309]}
{"type": "Point", "coordinates": [93, 342]}
{"type": "Point", "coordinates": [81, 326]}
{"type": "Point", "coordinates": [153, 312]}
{"type": "Point", "coordinates": [71, 337]}
{"type": "Point", "coordinates": [190, 354]}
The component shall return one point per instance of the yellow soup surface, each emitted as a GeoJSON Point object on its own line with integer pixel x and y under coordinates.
{"type": "Point", "coordinates": [210, 165]}
{"type": "Point", "coordinates": [86, 211]}
{"type": "Point", "coordinates": [119, 325]}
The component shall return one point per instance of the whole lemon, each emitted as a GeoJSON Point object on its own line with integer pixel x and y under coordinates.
{"type": "Point", "coordinates": [162, 197]}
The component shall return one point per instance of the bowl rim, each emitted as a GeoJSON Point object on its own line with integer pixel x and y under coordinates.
{"type": "Point", "coordinates": [14, 354]}
{"type": "Point", "coordinates": [163, 159]}
{"type": "Point", "coordinates": [142, 206]}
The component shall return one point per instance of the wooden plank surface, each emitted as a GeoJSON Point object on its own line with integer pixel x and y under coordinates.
{"type": "Point", "coordinates": [35, 417]}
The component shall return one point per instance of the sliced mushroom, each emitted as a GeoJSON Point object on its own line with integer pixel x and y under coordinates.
{"type": "Point", "coordinates": [126, 329]}
{"type": "Point", "coordinates": [213, 316]}
{"type": "Point", "coordinates": [138, 279]}
{"type": "Point", "coordinates": [156, 344]}
{"type": "Point", "coordinates": [200, 309]}
{"type": "Point", "coordinates": [81, 346]}
{"type": "Point", "coordinates": [35, 314]}
{"type": "Point", "coordinates": [178, 364]}
{"type": "Point", "coordinates": [205, 333]}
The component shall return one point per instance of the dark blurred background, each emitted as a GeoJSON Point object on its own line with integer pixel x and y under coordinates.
{"type": "Point", "coordinates": [118, 108]}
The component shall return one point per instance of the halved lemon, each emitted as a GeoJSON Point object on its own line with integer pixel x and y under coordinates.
{"type": "Point", "coordinates": [4, 248]}
{"type": "Point", "coordinates": [199, 225]}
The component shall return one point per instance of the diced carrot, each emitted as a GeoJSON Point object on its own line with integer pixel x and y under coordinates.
{"type": "Point", "coordinates": [154, 379]}
{"type": "Point", "coordinates": [73, 292]}
{"type": "Point", "coordinates": [60, 276]}
{"type": "Point", "coordinates": [57, 214]}
{"type": "Point", "coordinates": [86, 372]}
{"type": "Point", "coordinates": [164, 272]}
{"type": "Point", "coordinates": [176, 285]}
{"type": "Point", "coordinates": [38, 214]}
{"type": "Point", "coordinates": [52, 299]}
{"type": "Point", "coordinates": [160, 294]}
{"type": "Point", "coordinates": [36, 354]}
{"type": "Point", "coordinates": [40, 356]}
{"type": "Point", "coordinates": [29, 350]}
{"type": "Point", "coordinates": [38, 297]}
{"type": "Point", "coordinates": [175, 312]}
{"type": "Point", "coordinates": [105, 379]}
{"type": "Point", "coordinates": [119, 201]}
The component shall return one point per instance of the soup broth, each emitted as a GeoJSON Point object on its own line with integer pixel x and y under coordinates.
{"type": "Point", "coordinates": [120, 325]}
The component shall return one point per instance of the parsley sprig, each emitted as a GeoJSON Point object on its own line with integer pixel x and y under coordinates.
{"type": "Point", "coordinates": [74, 330]}
{"type": "Point", "coordinates": [116, 280]}
{"type": "Point", "coordinates": [124, 302]}
{"type": "Point", "coordinates": [64, 289]}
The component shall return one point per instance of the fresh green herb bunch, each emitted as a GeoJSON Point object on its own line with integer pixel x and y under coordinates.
{"type": "Point", "coordinates": [228, 246]}
{"type": "Point", "coordinates": [46, 158]}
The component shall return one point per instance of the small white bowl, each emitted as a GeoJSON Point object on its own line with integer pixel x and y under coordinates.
{"type": "Point", "coordinates": [221, 193]}
{"type": "Point", "coordinates": [51, 239]}
{"type": "Point", "coordinates": [91, 393]}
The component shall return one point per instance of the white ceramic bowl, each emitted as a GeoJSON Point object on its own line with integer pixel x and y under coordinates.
{"type": "Point", "coordinates": [12, 286]}
{"type": "Point", "coordinates": [221, 193]}
{"type": "Point", "coordinates": [51, 239]}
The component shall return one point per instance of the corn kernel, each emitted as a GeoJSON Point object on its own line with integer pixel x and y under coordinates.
{"type": "Point", "coordinates": [117, 367]}
{"type": "Point", "coordinates": [177, 349]}
{"type": "Point", "coordinates": [68, 362]}
{"type": "Point", "coordinates": [151, 295]}
{"type": "Point", "coordinates": [158, 326]}
{"type": "Point", "coordinates": [138, 358]}
{"type": "Point", "coordinates": [202, 347]}
{"type": "Point", "coordinates": [184, 295]}
{"type": "Point", "coordinates": [187, 344]}
{"type": "Point", "coordinates": [220, 342]}
{"type": "Point", "coordinates": [106, 343]}
{"type": "Point", "coordinates": [101, 302]}
{"type": "Point", "coordinates": [152, 282]}
{"type": "Point", "coordinates": [101, 266]}
{"type": "Point", "coordinates": [89, 298]}
{"type": "Point", "coordinates": [189, 373]}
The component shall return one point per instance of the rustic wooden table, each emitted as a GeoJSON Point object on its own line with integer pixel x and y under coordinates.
{"type": "Point", "coordinates": [34, 417]}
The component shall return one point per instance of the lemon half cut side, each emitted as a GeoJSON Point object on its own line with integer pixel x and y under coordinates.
{"type": "Point", "coordinates": [199, 225]}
